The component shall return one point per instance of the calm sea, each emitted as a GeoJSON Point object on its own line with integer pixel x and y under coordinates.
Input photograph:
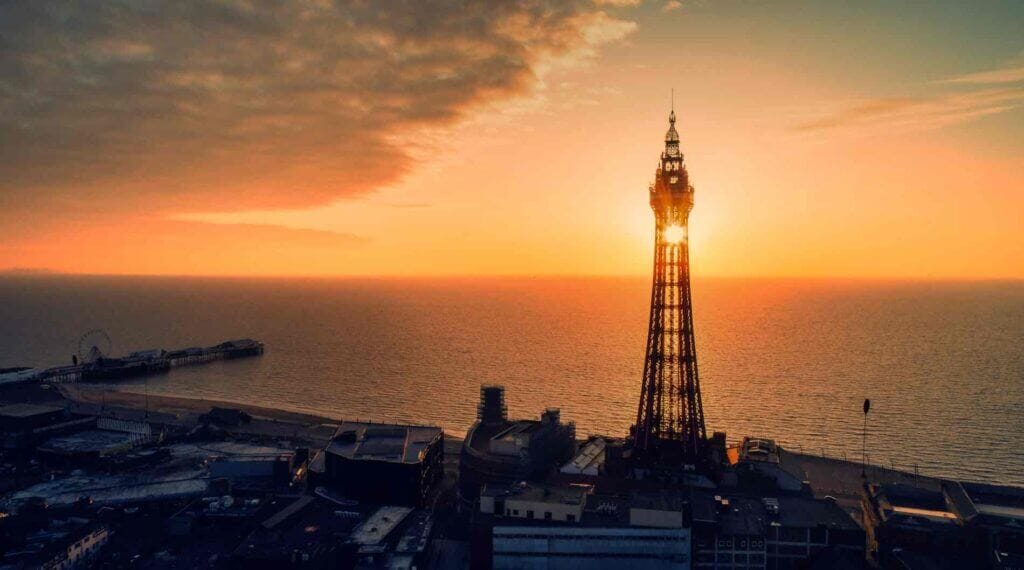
{"type": "Point", "coordinates": [942, 362]}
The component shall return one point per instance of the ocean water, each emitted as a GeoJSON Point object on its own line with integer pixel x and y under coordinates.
{"type": "Point", "coordinates": [942, 362]}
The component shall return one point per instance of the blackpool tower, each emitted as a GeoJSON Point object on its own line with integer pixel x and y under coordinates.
{"type": "Point", "coordinates": [669, 429]}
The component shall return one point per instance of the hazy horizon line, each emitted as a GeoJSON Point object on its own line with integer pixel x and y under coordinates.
{"type": "Point", "coordinates": [42, 272]}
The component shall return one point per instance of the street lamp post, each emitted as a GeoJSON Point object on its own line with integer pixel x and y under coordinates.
{"type": "Point", "coordinates": [864, 440]}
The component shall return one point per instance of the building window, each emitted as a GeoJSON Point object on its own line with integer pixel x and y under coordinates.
{"type": "Point", "coordinates": [529, 514]}
{"type": "Point", "coordinates": [570, 518]}
{"type": "Point", "coordinates": [547, 515]}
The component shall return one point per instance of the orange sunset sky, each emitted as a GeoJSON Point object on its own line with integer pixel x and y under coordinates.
{"type": "Point", "coordinates": [861, 139]}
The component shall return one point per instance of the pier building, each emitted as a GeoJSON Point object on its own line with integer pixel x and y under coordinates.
{"type": "Point", "coordinates": [97, 366]}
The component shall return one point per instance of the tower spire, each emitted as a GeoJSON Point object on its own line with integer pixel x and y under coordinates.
{"type": "Point", "coordinates": [669, 429]}
{"type": "Point", "coordinates": [672, 136]}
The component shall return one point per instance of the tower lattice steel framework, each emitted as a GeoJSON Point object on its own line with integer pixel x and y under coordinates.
{"type": "Point", "coordinates": [669, 426]}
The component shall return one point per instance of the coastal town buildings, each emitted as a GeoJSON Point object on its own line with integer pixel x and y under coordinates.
{"type": "Point", "coordinates": [499, 450]}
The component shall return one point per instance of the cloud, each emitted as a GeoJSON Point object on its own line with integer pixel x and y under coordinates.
{"type": "Point", "coordinates": [26, 271]}
{"type": "Point", "coordinates": [995, 76]}
{"type": "Point", "coordinates": [922, 113]}
{"type": "Point", "coordinates": [182, 106]}
{"type": "Point", "coordinates": [671, 6]}
{"type": "Point", "coordinates": [966, 97]}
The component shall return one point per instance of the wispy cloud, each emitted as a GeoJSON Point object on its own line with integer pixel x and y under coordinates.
{"type": "Point", "coordinates": [988, 93]}
{"type": "Point", "coordinates": [995, 76]}
{"type": "Point", "coordinates": [671, 6]}
{"type": "Point", "coordinates": [28, 271]}
{"type": "Point", "coordinates": [916, 114]}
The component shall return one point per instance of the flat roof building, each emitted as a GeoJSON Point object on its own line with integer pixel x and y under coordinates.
{"type": "Point", "coordinates": [89, 444]}
{"type": "Point", "coordinates": [771, 533]}
{"type": "Point", "coordinates": [566, 526]}
{"type": "Point", "coordinates": [384, 463]}
{"type": "Point", "coordinates": [994, 511]}
{"type": "Point", "coordinates": [913, 526]}
{"type": "Point", "coordinates": [24, 425]}
{"type": "Point", "coordinates": [306, 532]}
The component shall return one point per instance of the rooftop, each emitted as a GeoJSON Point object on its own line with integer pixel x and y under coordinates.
{"type": "Point", "coordinates": [383, 442]}
{"type": "Point", "coordinates": [590, 456]}
{"type": "Point", "coordinates": [811, 513]}
{"type": "Point", "coordinates": [904, 503]}
{"type": "Point", "coordinates": [741, 516]}
{"type": "Point", "coordinates": [568, 495]}
{"type": "Point", "coordinates": [162, 482]}
{"type": "Point", "coordinates": [27, 410]}
{"type": "Point", "coordinates": [376, 529]}
{"type": "Point", "coordinates": [417, 533]}
{"type": "Point", "coordinates": [305, 525]}
{"type": "Point", "coordinates": [987, 504]}
{"type": "Point", "coordinates": [517, 427]}
{"type": "Point", "coordinates": [759, 449]}
{"type": "Point", "coordinates": [231, 449]}
{"type": "Point", "coordinates": [239, 343]}
{"type": "Point", "coordinates": [661, 500]}
{"type": "Point", "coordinates": [90, 441]}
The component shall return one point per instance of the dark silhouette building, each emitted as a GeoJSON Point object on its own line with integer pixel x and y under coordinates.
{"type": "Point", "coordinates": [385, 464]}
{"type": "Point", "coordinates": [953, 525]}
{"type": "Point", "coordinates": [499, 450]}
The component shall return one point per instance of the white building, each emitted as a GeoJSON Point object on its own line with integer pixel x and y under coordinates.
{"type": "Point", "coordinates": [84, 548]}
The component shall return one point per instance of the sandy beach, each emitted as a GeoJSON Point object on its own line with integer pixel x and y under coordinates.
{"type": "Point", "coordinates": [181, 407]}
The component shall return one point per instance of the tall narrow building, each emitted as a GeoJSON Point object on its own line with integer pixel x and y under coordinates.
{"type": "Point", "coordinates": [669, 429]}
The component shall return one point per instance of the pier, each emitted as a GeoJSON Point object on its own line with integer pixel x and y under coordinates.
{"type": "Point", "coordinates": [139, 363]}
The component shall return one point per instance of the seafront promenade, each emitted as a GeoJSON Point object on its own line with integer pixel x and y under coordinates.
{"type": "Point", "coordinates": [828, 476]}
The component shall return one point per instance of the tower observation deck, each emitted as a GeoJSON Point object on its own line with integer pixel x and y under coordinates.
{"type": "Point", "coordinates": [669, 429]}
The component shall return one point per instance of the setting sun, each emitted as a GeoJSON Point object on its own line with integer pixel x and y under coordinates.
{"type": "Point", "coordinates": [674, 233]}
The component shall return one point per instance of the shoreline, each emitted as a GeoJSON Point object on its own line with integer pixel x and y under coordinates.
{"type": "Point", "coordinates": [180, 406]}
{"type": "Point", "coordinates": [179, 409]}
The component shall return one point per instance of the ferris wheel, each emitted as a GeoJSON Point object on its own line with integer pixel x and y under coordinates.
{"type": "Point", "coordinates": [94, 345]}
